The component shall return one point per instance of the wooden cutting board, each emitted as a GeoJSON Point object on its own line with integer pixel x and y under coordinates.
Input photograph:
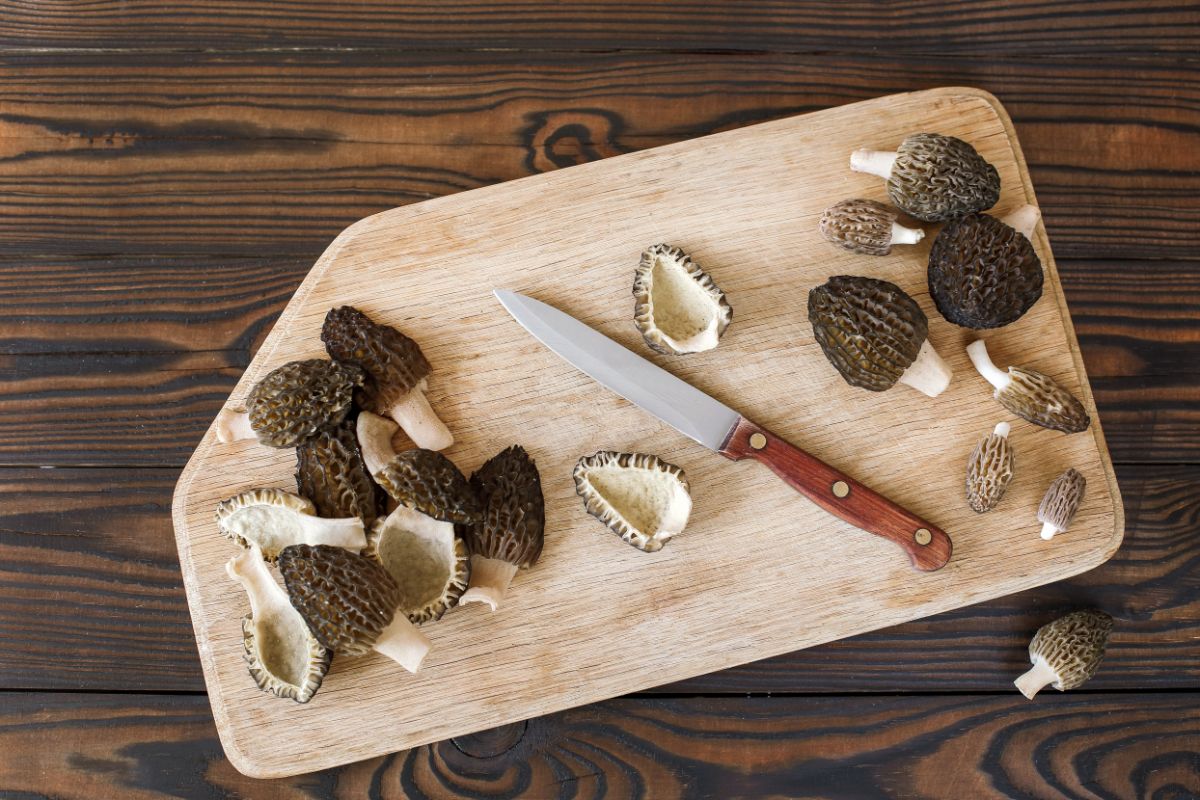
{"type": "Point", "coordinates": [759, 570]}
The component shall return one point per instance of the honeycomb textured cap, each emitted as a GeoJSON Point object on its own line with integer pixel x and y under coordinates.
{"type": "Point", "coordinates": [513, 518]}
{"type": "Point", "coordinates": [393, 363]}
{"type": "Point", "coordinates": [860, 226]}
{"type": "Point", "coordinates": [429, 482]}
{"type": "Point", "coordinates": [989, 471]}
{"type": "Point", "coordinates": [330, 472]}
{"type": "Point", "coordinates": [1037, 398]}
{"type": "Point", "coordinates": [1062, 499]}
{"type": "Point", "coordinates": [1073, 646]}
{"type": "Point", "coordinates": [982, 273]}
{"type": "Point", "coordinates": [937, 178]}
{"type": "Point", "coordinates": [295, 401]}
{"type": "Point", "coordinates": [345, 598]}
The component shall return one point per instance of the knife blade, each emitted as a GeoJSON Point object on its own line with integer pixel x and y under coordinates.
{"type": "Point", "coordinates": [718, 427]}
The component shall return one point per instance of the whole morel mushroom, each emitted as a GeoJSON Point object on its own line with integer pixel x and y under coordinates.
{"type": "Point", "coordinates": [875, 335]}
{"type": "Point", "coordinates": [1030, 395]}
{"type": "Point", "coordinates": [508, 535]}
{"type": "Point", "coordinates": [330, 472]}
{"type": "Point", "coordinates": [866, 227]}
{"type": "Point", "coordinates": [273, 519]}
{"type": "Point", "coordinates": [933, 177]}
{"type": "Point", "coordinates": [349, 602]}
{"type": "Point", "coordinates": [989, 470]}
{"type": "Point", "coordinates": [1060, 503]}
{"type": "Point", "coordinates": [641, 498]}
{"type": "Point", "coordinates": [678, 309]}
{"type": "Point", "coordinates": [292, 403]}
{"type": "Point", "coordinates": [397, 373]}
{"type": "Point", "coordinates": [1067, 652]}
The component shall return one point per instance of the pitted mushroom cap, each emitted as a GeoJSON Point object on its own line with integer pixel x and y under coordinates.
{"type": "Point", "coordinates": [937, 178]}
{"type": "Point", "coordinates": [514, 514]}
{"type": "Point", "coordinates": [295, 401]}
{"type": "Point", "coordinates": [860, 226]}
{"type": "Point", "coordinates": [430, 483]}
{"type": "Point", "coordinates": [1062, 500]}
{"type": "Point", "coordinates": [393, 362]}
{"type": "Point", "coordinates": [330, 472]}
{"type": "Point", "coordinates": [989, 470]}
{"type": "Point", "coordinates": [1072, 646]}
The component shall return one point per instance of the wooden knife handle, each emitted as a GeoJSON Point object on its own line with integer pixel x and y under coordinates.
{"type": "Point", "coordinates": [927, 545]}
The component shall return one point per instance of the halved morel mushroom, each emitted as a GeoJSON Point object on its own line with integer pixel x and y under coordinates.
{"type": "Point", "coordinates": [508, 535]}
{"type": "Point", "coordinates": [397, 373]}
{"type": "Point", "coordinates": [933, 177]}
{"type": "Point", "coordinates": [349, 602]}
{"type": "Point", "coordinates": [984, 273]}
{"type": "Point", "coordinates": [1030, 395]}
{"type": "Point", "coordinates": [330, 472]}
{"type": "Point", "coordinates": [273, 519]}
{"type": "Point", "coordinates": [1066, 653]}
{"type": "Point", "coordinates": [874, 334]}
{"type": "Point", "coordinates": [866, 227]}
{"type": "Point", "coordinates": [1060, 503]}
{"type": "Point", "coordinates": [989, 470]}
{"type": "Point", "coordinates": [641, 498]}
{"type": "Point", "coordinates": [678, 308]}
{"type": "Point", "coordinates": [292, 403]}
{"type": "Point", "coordinates": [282, 654]}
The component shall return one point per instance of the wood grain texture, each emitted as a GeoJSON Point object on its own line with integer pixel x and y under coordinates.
{"type": "Point", "coordinates": [932, 748]}
{"type": "Point", "coordinates": [508, 390]}
{"type": "Point", "coordinates": [274, 153]}
{"type": "Point", "coordinates": [939, 26]}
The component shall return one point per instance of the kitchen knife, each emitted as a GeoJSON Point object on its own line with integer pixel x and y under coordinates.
{"type": "Point", "coordinates": [720, 428]}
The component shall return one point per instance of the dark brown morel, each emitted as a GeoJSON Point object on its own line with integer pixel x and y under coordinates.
{"type": "Point", "coordinates": [330, 472]}
{"type": "Point", "coordinates": [293, 403]}
{"type": "Point", "coordinates": [933, 177]}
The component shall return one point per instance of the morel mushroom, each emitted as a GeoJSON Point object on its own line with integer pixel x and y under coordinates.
{"type": "Point", "coordinates": [349, 602]}
{"type": "Point", "coordinates": [984, 273]}
{"type": "Point", "coordinates": [875, 335]}
{"type": "Point", "coordinates": [866, 227]}
{"type": "Point", "coordinates": [1030, 395]}
{"type": "Point", "coordinates": [933, 177]}
{"type": "Point", "coordinates": [641, 498]}
{"type": "Point", "coordinates": [292, 403]}
{"type": "Point", "coordinates": [283, 656]}
{"type": "Point", "coordinates": [1061, 502]}
{"type": "Point", "coordinates": [397, 373]}
{"type": "Point", "coordinates": [508, 535]}
{"type": "Point", "coordinates": [273, 519]}
{"type": "Point", "coordinates": [678, 308]}
{"type": "Point", "coordinates": [1066, 653]}
{"type": "Point", "coordinates": [989, 470]}
{"type": "Point", "coordinates": [330, 472]}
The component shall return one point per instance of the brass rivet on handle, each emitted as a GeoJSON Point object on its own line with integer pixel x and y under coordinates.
{"type": "Point", "coordinates": [923, 536]}
{"type": "Point", "coordinates": [841, 489]}
{"type": "Point", "coordinates": [758, 441]}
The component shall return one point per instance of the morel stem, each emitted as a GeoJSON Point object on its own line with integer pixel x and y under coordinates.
{"type": "Point", "coordinates": [873, 162]}
{"type": "Point", "coordinates": [1023, 220]}
{"type": "Point", "coordinates": [1049, 530]}
{"type": "Point", "coordinates": [929, 373]}
{"type": "Point", "coordinates": [250, 570]}
{"type": "Point", "coordinates": [1037, 678]}
{"type": "Point", "coordinates": [344, 532]}
{"type": "Point", "coordinates": [233, 426]}
{"type": "Point", "coordinates": [997, 377]}
{"type": "Point", "coordinates": [489, 581]}
{"type": "Point", "coordinates": [904, 235]}
{"type": "Point", "coordinates": [419, 421]}
{"type": "Point", "coordinates": [1002, 429]}
{"type": "Point", "coordinates": [402, 642]}
{"type": "Point", "coordinates": [375, 440]}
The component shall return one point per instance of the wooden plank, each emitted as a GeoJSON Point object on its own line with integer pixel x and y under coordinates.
{"type": "Point", "coordinates": [274, 153]}
{"type": "Point", "coordinates": [933, 748]}
{"type": "Point", "coordinates": [938, 26]}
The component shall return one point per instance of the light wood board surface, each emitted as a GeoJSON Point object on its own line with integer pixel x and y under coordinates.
{"type": "Point", "coordinates": [759, 571]}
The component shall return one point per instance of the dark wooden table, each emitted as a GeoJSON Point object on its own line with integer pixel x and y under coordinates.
{"type": "Point", "coordinates": [170, 171]}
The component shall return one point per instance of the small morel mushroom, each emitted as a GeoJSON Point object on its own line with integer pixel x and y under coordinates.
{"type": "Point", "coordinates": [283, 656]}
{"type": "Point", "coordinates": [983, 273]}
{"type": "Point", "coordinates": [509, 533]}
{"type": "Point", "coordinates": [989, 470]}
{"type": "Point", "coordinates": [349, 602]}
{"type": "Point", "coordinates": [292, 403]}
{"type": "Point", "coordinates": [273, 519]}
{"type": "Point", "coordinates": [933, 177]}
{"type": "Point", "coordinates": [678, 308]}
{"type": "Point", "coordinates": [1061, 502]}
{"type": "Point", "coordinates": [875, 335]}
{"type": "Point", "coordinates": [1066, 653]}
{"type": "Point", "coordinates": [330, 472]}
{"type": "Point", "coordinates": [866, 227]}
{"type": "Point", "coordinates": [1030, 395]}
{"type": "Point", "coordinates": [640, 497]}
{"type": "Point", "coordinates": [397, 373]}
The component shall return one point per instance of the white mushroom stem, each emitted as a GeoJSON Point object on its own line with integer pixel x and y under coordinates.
{"type": "Point", "coordinates": [874, 162]}
{"type": "Point", "coordinates": [403, 642]}
{"type": "Point", "coordinates": [903, 235]}
{"type": "Point", "coordinates": [489, 581]}
{"type": "Point", "coordinates": [1037, 678]}
{"type": "Point", "coordinates": [1002, 429]}
{"type": "Point", "coordinates": [1023, 220]}
{"type": "Point", "coordinates": [421, 525]}
{"type": "Point", "coordinates": [1049, 529]}
{"type": "Point", "coordinates": [233, 426]}
{"type": "Point", "coordinates": [929, 373]}
{"type": "Point", "coordinates": [249, 569]}
{"type": "Point", "coordinates": [422, 425]}
{"type": "Point", "coordinates": [997, 377]}
{"type": "Point", "coordinates": [375, 440]}
{"type": "Point", "coordinates": [344, 532]}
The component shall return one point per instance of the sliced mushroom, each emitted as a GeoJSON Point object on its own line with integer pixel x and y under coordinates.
{"type": "Point", "coordinates": [292, 403]}
{"type": "Point", "coordinates": [678, 308]}
{"type": "Point", "coordinates": [1031, 395]}
{"type": "Point", "coordinates": [989, 470]}
{"type": "Point", "coordinates": [349, 602]}
{"type": "Point", "coordinates": [273, 519]}
{"type": "Point", "coordinates": [875, 335]}
{"type": "Point", "coordinates": [397, 373]}
{"type": "Point", "coordinates": [1066, 652]}
{"type": "Point", "coordinates": [866, 227]}
{"type": "Point", "coordinates": [508, 535]}
{"type": "Point", "coordinates": [1060, 503]}
{"type": "Point", "coordinates": [983, 273]}
{"type": "Point", "coordinates": [331, 473]}
{"type": "Point", "coordinates": [933, 177]}
{"type": "Point", "coordinates": [641, 498]}
{"type": "Point", "coordinates": [283, 656]}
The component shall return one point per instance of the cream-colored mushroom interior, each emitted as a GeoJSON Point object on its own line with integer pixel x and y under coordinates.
{"type": "Point", "coordinates": [419, 553]}
{"type": "Point", "coordinates": [650, 501]}
{"type": "Point", "coordinates": [282, 644]}
{"type": "Point", "coordinates": [271, 527]}
{"type": "Point", "coordinates": [683, 310]}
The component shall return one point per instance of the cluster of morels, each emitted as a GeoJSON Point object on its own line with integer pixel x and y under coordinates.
{"type": "Point", "coordinates": [357, 576]}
